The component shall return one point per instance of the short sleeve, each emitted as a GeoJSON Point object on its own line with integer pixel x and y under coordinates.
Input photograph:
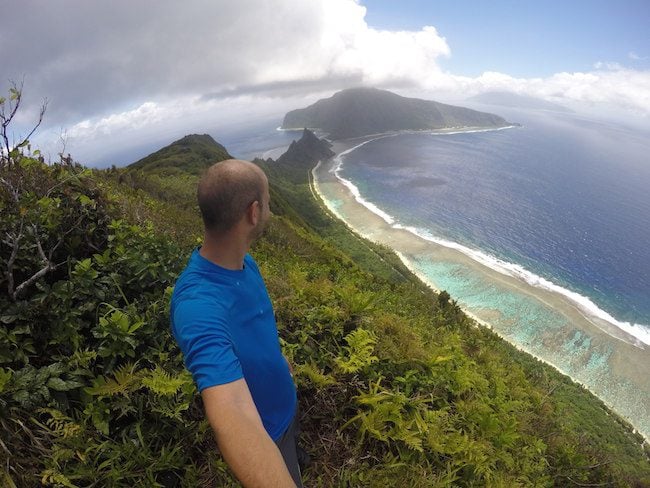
{"type": "Point", "coordinates": [207, 348]}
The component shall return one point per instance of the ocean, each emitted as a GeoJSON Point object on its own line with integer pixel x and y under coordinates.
{"type": "Point", "coordinates": [260, 139]}
{"type": "Point", "coordinates": [562, 202]}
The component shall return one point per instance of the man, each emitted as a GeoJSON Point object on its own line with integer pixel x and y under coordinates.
{"type": "Point", "coordinates": [223, 321]}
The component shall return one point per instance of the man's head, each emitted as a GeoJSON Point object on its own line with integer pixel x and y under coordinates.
{"type": "Point", "coordinates": [231, 193]}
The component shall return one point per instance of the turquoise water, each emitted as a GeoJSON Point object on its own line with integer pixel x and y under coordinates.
{"type": "Point", "coordinates": [540, 330]}
{"type": "Point", "coordinates": [522, 318]}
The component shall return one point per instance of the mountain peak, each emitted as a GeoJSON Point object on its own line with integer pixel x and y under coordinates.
{"type": "Point", "coordinates": [191, 153]}
{"type": "Point", "coordinates": [301, 154]}
{"type": "Point", "coordinates": [195, 139]}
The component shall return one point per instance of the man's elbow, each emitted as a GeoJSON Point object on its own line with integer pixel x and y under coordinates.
{"type": "Point", "coordinates": [228, 405]}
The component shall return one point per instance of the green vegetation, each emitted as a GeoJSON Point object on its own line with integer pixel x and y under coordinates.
{"type": "Point", "coordinates": [396, 385]}
{"type": "Point", "coordinates": [191, 154]}
{"type": "Point", "coordinates": [359, 112]}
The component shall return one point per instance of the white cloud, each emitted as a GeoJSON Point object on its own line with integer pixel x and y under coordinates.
{"type": "Point", "coordinates": [146, 114]}
{"type": "Point", "coordinates": [608, 65]}
{"type": "Point", "coordinates": [88, 56]}
{"type": "Point", "coordinates": [635, 57]}
{"type": "Point", "coordinates": [619, 88]}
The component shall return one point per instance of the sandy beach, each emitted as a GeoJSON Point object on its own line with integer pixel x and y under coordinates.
{"type": "Point", "coordinates": [611, 363]}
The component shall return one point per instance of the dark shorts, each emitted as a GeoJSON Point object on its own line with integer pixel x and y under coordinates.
{"type": "Point", "coordinates": [287, 445]}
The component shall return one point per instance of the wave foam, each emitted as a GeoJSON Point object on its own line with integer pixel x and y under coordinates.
{"type": "Point", "coordinates": [583, 303]}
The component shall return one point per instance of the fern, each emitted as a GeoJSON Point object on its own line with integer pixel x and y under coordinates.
{"type": "Point", "coordinates": [162, 383]}
{"type": "Point", "coordinates": [170, 407]}
{"type": "Point", "coordinates": [392, 416]}
{"type": "Point", "coordinates": [125, 380]}
{"type": "Point", "coordinates": [315, 375]}
{"type": "Point", "coordinates": [53, 477]}
{"type": "Point", "coordinates": [355, 301]}
{"type": "Point", "coordinates": [5, 479]}
{"type": "Point", "coordinates": [361, 345]}
{"type": "Point", "coordinates": [5, 376]}
{"type": "Point", "coordinates": [60, 424]}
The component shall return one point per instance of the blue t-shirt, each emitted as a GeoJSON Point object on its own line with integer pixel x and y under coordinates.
{"type": "Point", "coordinates": [224, 324]}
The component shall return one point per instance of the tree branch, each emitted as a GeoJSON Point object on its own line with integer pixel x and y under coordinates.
{"type": "Point", "coordinates": [13, 108]}
{"type": "Point", "coordinates": [40, 119]}
{"type": "Point", "coordinates": [19, 96]}
{"type": "Point", "coordinates": [38, 245]}
{"type": "Point", "coordinates": [15, 99]}
{"type": "Point", "coordinates": [42, 272]}
{"type": "Point", "coordinates": [12, 259]}
{"type": "Point", "coordinates": [11, 188]}
{"type": "Point", "coordinates": [49, 266]}
{"type": "Point", "coordinates": [72, 176]}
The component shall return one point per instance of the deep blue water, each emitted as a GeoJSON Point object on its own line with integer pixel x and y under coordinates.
{"type": "Point", "coordinates": [566, 198]}
{"type": "Point", "coordinates": [256, 139]}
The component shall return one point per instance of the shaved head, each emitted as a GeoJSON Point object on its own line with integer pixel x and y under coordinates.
{"type": "Point", "coordinates": [225, 192]}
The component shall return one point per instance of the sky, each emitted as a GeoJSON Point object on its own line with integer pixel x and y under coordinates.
{"type": "Point", "coordinates": [121, 75]}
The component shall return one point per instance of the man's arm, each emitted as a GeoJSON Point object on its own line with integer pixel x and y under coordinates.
{"type": "Point", "coordinates": [244, 443]}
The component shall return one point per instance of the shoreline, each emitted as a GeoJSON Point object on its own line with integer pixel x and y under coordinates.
{"type": "Point", "coordinates": [609, 366]}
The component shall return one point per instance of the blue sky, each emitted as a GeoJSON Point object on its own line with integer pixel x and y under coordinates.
{"type": "Point", "coordinates": [526, 38]}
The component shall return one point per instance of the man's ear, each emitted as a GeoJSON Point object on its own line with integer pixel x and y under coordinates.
{"type": "Point", "coordinates": [254, 212]}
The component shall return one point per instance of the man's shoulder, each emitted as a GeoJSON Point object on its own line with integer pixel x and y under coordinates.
{"type": "Point", "coordinates": [194, 299]}
{"type": "Point", "coordinates": [194, 291]}
{"type": "Point", "coordinates": [193, 285]}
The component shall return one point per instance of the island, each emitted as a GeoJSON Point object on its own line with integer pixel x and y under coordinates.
{"type": "Point", "coordinates": [358, 112]}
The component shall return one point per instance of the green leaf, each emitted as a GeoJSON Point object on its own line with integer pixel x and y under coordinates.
{"type": "Point", "coordinates": [56, 369]}
{"type": "Point", "coordinates": [62, 385]}
{"type": "Point", "coordinates": [85, 200]}
{"type": "Point", "coordinates": [125, 380]}
{"type": "Point", "coordinates": [312, 372]}
{"type": "Point", "coordinates": [5, 479]}
{"type": "Point", "coordinates": [135, 327]}
{"type": "Point", "coordinates": [5, 376]}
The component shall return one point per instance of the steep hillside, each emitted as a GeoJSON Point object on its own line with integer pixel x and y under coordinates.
{"type": "Point", "coordinates": [299, 158]}
{"type": "Point", "coordinates": [169, 176]}
{"type": "Point", "coordinates": [362, 111]}
{"type": "Point", "coordinates": [191, 154]}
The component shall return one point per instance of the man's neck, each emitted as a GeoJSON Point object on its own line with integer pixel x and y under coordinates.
{"type": "Point", "coordinates": [227, 251]}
